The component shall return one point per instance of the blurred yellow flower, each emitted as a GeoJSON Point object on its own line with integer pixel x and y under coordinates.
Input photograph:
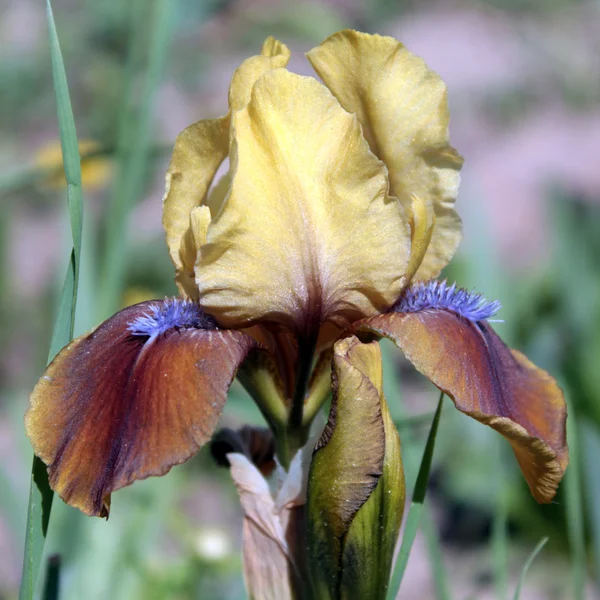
{"type": "Point", "coordinates": [95, 170]}
{"type": "Point", "coordinates": [136, 294]}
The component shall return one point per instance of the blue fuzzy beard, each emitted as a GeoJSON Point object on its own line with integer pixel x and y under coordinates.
{"type": "Point", "coordinates": [438, 294]}
{"type": "Point", "coordinates": [172, 313]}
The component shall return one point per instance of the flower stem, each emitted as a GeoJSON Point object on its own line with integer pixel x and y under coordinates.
{"type": "Point", "coordinates": [306, 351]}
{"type": "Point", "coordinates": [291, 438]}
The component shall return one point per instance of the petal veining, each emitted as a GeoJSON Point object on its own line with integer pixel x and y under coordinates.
{"type": "Point", "coordinates": [308, 233]}
{"type": "Point", "coordinates": [402, 107]}
{"type": "Point", "coordinates": [141, 393]}
{"type": "Point", "coordinates": [486, 380]}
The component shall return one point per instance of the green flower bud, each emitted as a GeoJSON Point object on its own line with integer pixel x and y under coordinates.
{"type": "Point", "coordinates": [356, 483]}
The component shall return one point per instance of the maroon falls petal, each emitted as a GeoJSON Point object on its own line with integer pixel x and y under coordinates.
{"type": "Point", "coordinates": [141, 393]}
{"type": "Point", "coordinates": [443, 331]}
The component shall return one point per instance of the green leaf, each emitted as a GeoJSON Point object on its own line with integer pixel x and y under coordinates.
{"type": "Point", "coordinates": [52, 586]}
{"type": "Point", "coordinates": [40, 495]}
{"type": "Point", "coordinates": [134, 141]}
{"type": "Point", "coordinates": [574, 506]}
{"type": "Point", "coordinates": [416, 508]}
{"type": "Point", "coordinates": [440, 577]}
{"type": "Point", "coordinates": [591, 452]}
{"type": "Point", "coordinates": [526, 566]}
{"type": "Point", "coordinates": [499, 539]}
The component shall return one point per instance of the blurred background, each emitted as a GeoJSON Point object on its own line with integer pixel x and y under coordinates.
{"type": "Point", "coordinates": [524, 89]}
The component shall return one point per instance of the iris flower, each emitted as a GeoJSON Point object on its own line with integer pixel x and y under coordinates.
{"type": "Point", "coordinates": [328, 230]}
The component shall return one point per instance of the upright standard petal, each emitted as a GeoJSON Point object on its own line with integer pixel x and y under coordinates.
{"type": "Point", "coordinates": [444, 337]}
{"type": "Point", "coordinates": [199, 151]}
{"type": "Point", "coordinates": [308, 233]}
{"type": "Point", "coordinates": [141, 393]}
{"type": "Point", "coordinates": [273, 55]}
{"type": "Point", "coordinates": [402, 107]}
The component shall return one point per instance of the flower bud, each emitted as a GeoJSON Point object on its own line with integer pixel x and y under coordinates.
{"type": "Point", "coordinates": [356, 483]}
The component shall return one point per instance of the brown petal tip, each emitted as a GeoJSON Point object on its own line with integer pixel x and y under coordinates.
{"type": "Point", "coordinates": [467, 360]}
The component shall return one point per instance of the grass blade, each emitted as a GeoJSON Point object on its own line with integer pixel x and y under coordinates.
{"type": "Point", "coordinates": [591, 451]}
{"type": "Point", "coordinates": [434, 550]}
{"type": "Point", "coordinates": [574, 508]}
{"type": "Point", "coordinates": [52, 587]}
{"type": "Point", "coordinates": [526, 566]}
{"type": "Point", "coordinates": [499, 538]}
{"type": "Point", "coordinates": [40, 495]}
{"type": "Point", "coordinates": [134, 145]}
{"type": "Point", "coordinates": [416, 508]}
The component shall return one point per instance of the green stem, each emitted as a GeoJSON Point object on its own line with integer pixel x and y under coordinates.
{"type": "Point", "coordinates": [288, 442]}
{"type": "Point", "coordinates": [257, 381]}
{"type": "Point", "coordinates": [306, 351]}
{"type": "Point", "coordinates": [293, 436]}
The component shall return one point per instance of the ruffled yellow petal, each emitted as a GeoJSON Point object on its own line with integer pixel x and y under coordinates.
{"type": "Point", "coordinates": [199, 151]}
{"type": "Point", "coordinates": [191, 241]}
{"type": "Point", "coordinates": [308, 233]}
{"type": "Point", "coordinates": [402, 107]}
{"type": "Point", "coordinates": [423, 226]}
{"type": "Point", "coordinates": [218, 193]}
{"type": "Point", "coordinates": [273, 55]}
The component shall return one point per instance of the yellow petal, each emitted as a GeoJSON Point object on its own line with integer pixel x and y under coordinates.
{"type": "Point", "coordinates": [423, 225]}
{"type": "Point", "coordinates": [199, 150]}
{"type": "Point", "coordinates": [191, 241]}
{"type": "Point", "coordinates": [308, 233]}
{"type": "Point", "coordinates": [218, 193]}
{"type": "Point", "coordinates": [273, 55]}
{"type": "Point", "coordinates": [402, 107]}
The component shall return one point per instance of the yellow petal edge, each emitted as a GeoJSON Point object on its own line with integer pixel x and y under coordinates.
{"type": "Point", "coordinates": [402, 107]}
{"type": "Point", "coordinates": [199, 151]}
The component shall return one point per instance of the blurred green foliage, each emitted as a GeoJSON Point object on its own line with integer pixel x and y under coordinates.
{"type": "Point", "coordinates": [177, 536]}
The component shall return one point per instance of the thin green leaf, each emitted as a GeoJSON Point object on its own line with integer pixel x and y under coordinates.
{"type": "Point", "coordinates": [133, 147]}
{"type": "Point", "coordinates": [591, 452]}
{"type": "Point", "coordinates": [40, 496]}
{"type": "Point", "coordinates": [52, 586]}
{"type": "Point", "coordinates": [500, 548]}
{"type": "Point", "coordinates": [526, 566]}
{"type": "Point", "coordinates": [416, 508]}
{"type": "Point", "coordinates": [499, 538]}
{"type": "Point", "coordinates": [440, 576]}
{"type": "Point", "coordinates": [574, 507]}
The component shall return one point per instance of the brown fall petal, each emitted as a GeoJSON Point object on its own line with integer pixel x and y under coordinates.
{"type": "Point", "coordinates": [114, 407]}
{"type": "Point", "coordinates": [489, 382]}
